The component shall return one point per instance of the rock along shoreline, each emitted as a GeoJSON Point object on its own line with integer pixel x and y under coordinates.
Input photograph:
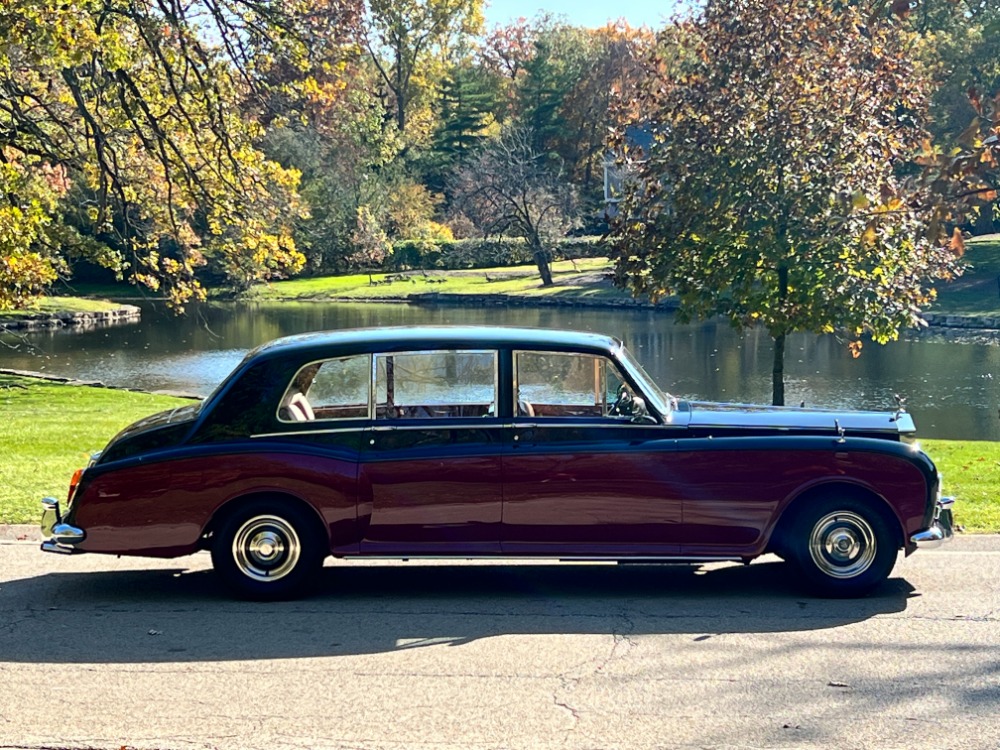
{"type": "Point", "coordinates": [76, 320]}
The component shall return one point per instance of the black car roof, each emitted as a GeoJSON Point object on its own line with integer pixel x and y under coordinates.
{"type": "Point", "coordinates": [427, 337]}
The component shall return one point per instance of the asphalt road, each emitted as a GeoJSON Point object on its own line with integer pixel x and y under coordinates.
{"type": "Point", "coordinates": [97, 652]}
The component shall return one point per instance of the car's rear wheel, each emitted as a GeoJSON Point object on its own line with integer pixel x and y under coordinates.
{"type": "Point", "coordinates": [843, 547]}
{"type": "Point", "coordinates": [268, 550]}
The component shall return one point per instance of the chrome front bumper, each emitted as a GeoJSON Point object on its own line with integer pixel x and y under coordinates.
{"type": "Point", "coordinates": [940, 530]}
{"type": "Point", "coordinates": [58, 536]}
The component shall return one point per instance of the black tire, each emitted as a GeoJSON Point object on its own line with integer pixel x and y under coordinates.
{"type": "Point", "coordinates": [843, 547]}
{"type": "Point", "coordinates": [269, 550]}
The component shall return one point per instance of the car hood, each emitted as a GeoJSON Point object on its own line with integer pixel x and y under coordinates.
{"type": "Point", "coordinates": [707, 415]}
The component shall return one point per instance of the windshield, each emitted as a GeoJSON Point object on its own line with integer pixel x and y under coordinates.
{"type": "Point", "coordinates": [661, 401]}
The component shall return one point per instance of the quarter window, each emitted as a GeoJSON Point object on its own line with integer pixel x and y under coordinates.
{"type": "Point", "coordinates": [329, 389]}
{"type": "Point", "coordinates": [441, 384]}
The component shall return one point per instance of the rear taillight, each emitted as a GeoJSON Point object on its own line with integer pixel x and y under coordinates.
{"type": "Point", "coordinates": [73, 484]}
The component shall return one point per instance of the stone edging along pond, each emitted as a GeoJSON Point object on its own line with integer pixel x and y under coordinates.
{"type": "Point", "coordinates": [78, 320]}
{"type": "Point", "coordinates": [934, 320]}
{"type": "Point", "coordinates": [131, 314]}
{"type": "Point", "coordinates": [972, 322]}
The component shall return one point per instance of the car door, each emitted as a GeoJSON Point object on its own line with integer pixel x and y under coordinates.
{"type": "Point", "coordinates": [320, 426]}
{"type": "Point", "coordinates": [430, 476]}
{"type": "Point", "coordinates": [586, 474]}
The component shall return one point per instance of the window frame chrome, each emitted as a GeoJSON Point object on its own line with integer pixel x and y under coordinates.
{"type": "Point", "coordinates": [321, 362]}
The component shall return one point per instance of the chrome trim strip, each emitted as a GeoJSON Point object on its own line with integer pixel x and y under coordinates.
{"type": "Point", "coordinates": [327, 431]}
{"type": "Point", "coordinates": [611, 422]}
{"type": "Point", "coordinates": [553, 558]}
{"type": "Point", "coordinates": [430, 423]}
{"type": "Point", "coordinates": [468, 423]}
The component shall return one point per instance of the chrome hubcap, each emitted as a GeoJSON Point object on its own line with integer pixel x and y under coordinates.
{"type": "Point", "coordinates": [266, 548]}
{"type": "Point", "coordinates": [842, 544]}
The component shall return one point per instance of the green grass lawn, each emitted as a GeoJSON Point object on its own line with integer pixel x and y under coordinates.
{"type": "Point", "coordinates": [976, 292]}
{"type": "Point", "coordinates": [47, 305]}
{"type": "Point", "coordinates": [971, 471]}
{"type": "Point", "coordinates": [50, 429]}
{"type": "Point", "coordinates": [585, 280]}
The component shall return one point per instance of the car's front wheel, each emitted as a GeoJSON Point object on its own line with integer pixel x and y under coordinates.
{"type": "Point", "coordinates": [268, 550]}
{"type": "Point", "coordinates": [843, 547]}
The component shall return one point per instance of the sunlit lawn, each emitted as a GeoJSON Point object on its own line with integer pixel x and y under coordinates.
{"type": "Point", "coordinates": [586, 279]}
{"type": "Point", "coordinates": [971, 471]}
{"type": "Point", "coordinates": [61, 305]}
{"type": "Point", "coordinates": [977, 291]}
{"type": "Point", "coordinates": [50, 429]}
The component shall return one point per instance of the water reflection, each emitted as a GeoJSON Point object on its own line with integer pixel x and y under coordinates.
{"type": "Point", "coordinates": [949, 383]}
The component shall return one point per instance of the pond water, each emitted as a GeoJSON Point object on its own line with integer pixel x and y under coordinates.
{"type": "Point", "coordinates": [950, 384]}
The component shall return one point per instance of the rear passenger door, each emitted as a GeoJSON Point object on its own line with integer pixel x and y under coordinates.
{"type": "Point", "coordinates": [430, 479]}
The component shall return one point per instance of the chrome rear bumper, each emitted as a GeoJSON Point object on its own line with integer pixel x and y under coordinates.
{"type": "Point", "coordinates": [941, 528]}
{"type": "Point", "coordinates": [58, 536]}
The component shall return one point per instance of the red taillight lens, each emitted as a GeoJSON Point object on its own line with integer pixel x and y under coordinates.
{"type": "Point", "coordinates": [73, 484]}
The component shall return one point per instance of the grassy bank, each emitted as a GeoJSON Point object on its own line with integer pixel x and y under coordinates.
{"type": "Point", "coordinates": [587, 279]}
{"type": "Point", "coordinates": [50, 429]}
{"type": "Point", "coordinates": [977, 291]}
{"type": "Point", "coordinates": [51, 305]}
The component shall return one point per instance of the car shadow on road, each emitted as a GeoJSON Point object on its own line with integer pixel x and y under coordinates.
{"type": "Point", "coordinates": [178, 615]}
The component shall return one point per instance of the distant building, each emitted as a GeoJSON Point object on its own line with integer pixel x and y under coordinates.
{"type": "Point", "coordinates": [639, 139]}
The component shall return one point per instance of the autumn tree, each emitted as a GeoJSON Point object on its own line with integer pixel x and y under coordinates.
{"type": "Point", "coordinates": [959, 48]}
{"type": "Point", "coordinates": [560, 81]}
{"type": "Point", "coordinates": [510, 189]}
{"type": "Point", "coordinates": [407, 39]}
{"type": "Point", "coordinates": [134, 106]}
{"type": "Point", "coordinates": [773, 192]}
{"type": "Point", "coordinates": [609, 69]}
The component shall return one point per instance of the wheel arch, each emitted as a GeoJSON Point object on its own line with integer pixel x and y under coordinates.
{"type": "Point", "coordinates": [237, 503]}
{"type": "Point", "coordinates": [778, 541]}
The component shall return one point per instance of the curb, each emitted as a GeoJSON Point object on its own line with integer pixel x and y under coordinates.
{"type": "Point", "coordinates": [20, 533]}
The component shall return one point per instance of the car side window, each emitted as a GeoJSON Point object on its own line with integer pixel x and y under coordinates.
{"type": "Point", "coordinates": [439, 384]}
{"type": "Point", "coordinates": [561, 384]}
{"type": "Point", "coordinates": [328, 389]}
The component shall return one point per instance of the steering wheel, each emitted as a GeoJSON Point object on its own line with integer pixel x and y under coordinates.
{"type": "Point", "coordinates": [622, 406]}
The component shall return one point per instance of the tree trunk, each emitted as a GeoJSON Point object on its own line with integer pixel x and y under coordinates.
{"type": "Point", "coordinates": [984, 222]}
{"type": "Point", "coordinates": [778, 368]}
{"type": "Point", "coordinates": [778, 372]}
{"type": "Point", "coordinates": [542, 261]}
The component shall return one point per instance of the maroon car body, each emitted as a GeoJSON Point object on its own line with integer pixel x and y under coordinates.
{"type": "Point", "coordinates": [495, 442]}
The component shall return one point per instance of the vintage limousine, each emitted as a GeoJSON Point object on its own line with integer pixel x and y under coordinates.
{"type": "Point", "coordinates": [489, 442]}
